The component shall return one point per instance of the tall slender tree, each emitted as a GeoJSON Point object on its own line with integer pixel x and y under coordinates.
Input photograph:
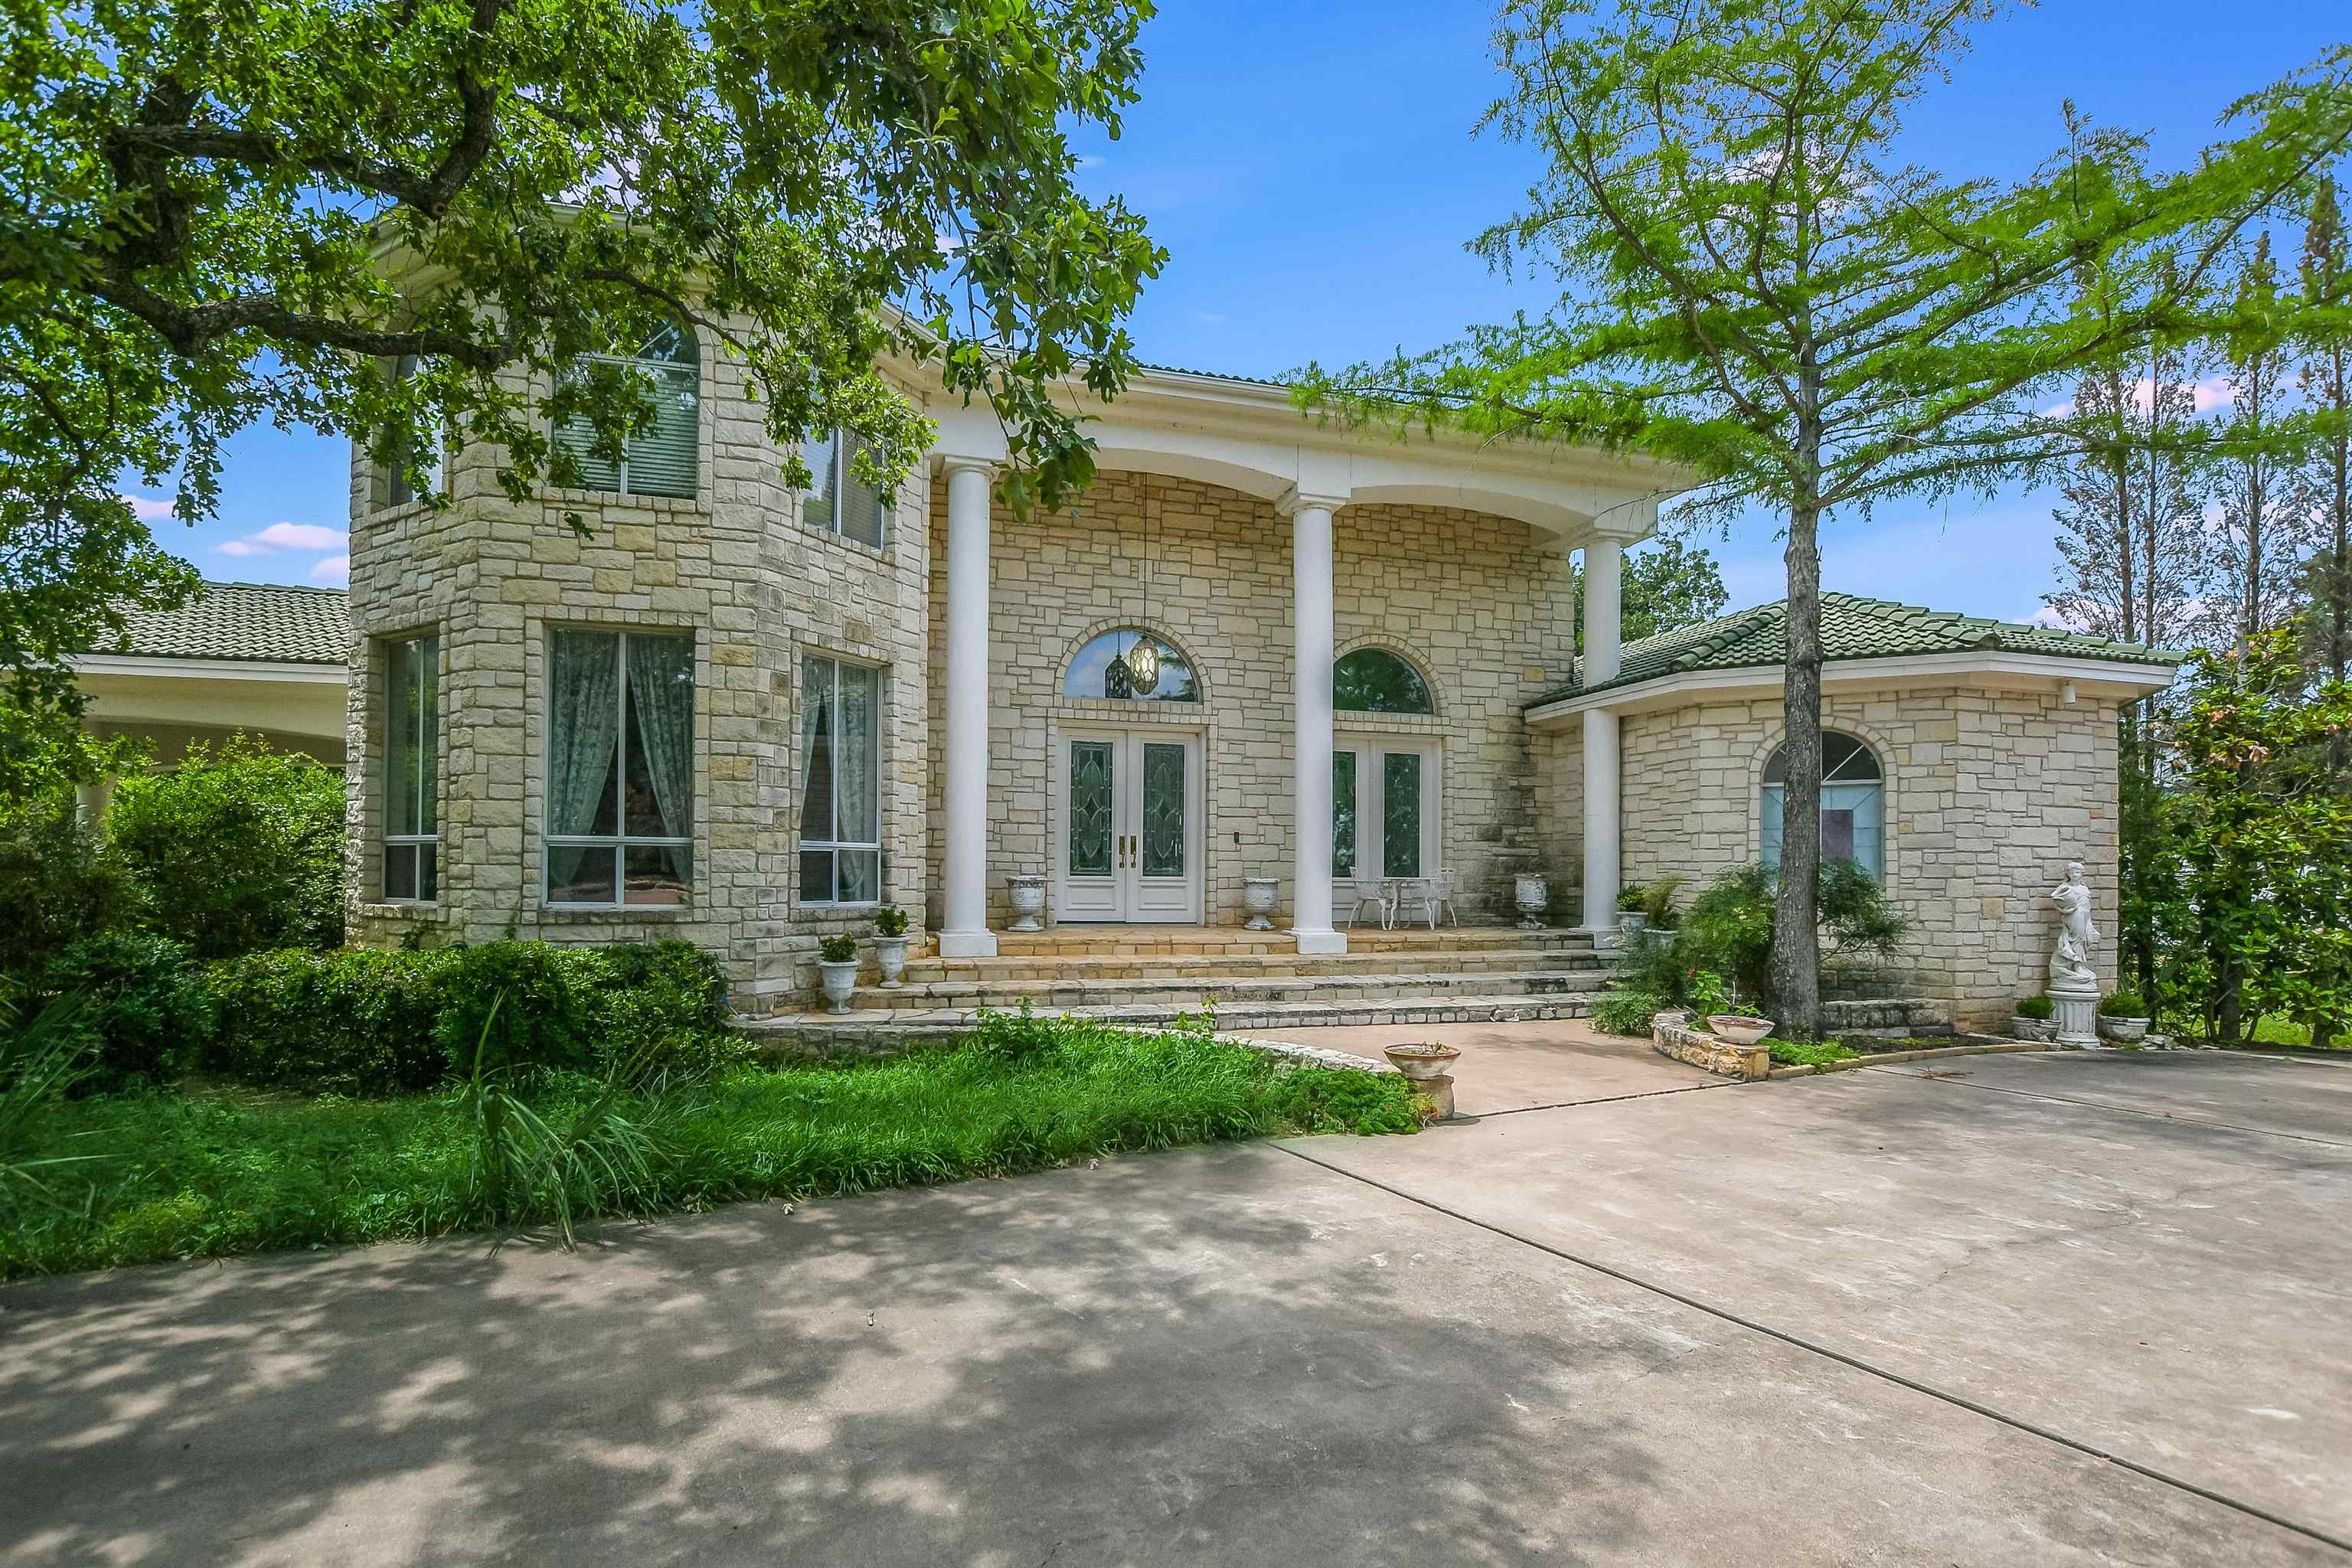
{"type": "Point", "coordinates": [2327, 380]}
{"type": "Point", "coordinates": [1756, 285]}
{"type": "Point", "coordinates": [2261, 523]}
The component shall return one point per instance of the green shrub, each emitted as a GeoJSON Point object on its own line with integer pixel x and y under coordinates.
{"type": "Point", "coordinates": [2121, 1004]}
{"type": "Point", "coordinates": [59, 882]}
{"type": "Point", "coordinates": [1629, 897]}
{"type": "Point", "coordinates": [1324, 1100]}
{"type": "Point", "coordinates": [1658, 902]}
{"type": "Point", "coordinates": [2035, 1008]}
{"type": "Point", "coordinates": [149, 1017]}
{"type": "Point", "coordinates": [841, 947]}
{"type": "Point", "coordinates": [1703, 994]}
{"type": "Point", "coordinates": [238, 849]}
{"type": "Point", "coordinates": [1809, 1053]}
{"type": "Point", "coordinates": [356, 1023]}
{"type": "Point", "coordinates": [889, 921]}
{"type": "Point", "coordinates": [375, 1021]}
{"type": "Point", "coordinates": [1626, 1012]}
{"type": "Point", "coordinates": [1729, 926]}
{"type": "Point", "coordinates": [520, 1003]}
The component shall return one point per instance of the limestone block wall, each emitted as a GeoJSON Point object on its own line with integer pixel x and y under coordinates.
{"type": "Point", "coordinates": [1988, 795]}
{"type": "Point", "coordinates": [1477, 603]}
{"type": "Point", "coordinates": [736, 568]}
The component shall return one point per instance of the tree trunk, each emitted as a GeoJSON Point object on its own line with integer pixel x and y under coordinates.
{"type": "Point", "coordinates": [1795, 929]}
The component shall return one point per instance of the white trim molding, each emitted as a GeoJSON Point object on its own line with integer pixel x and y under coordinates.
{"type": "Point", "coordinates": [150, 667]}
{"type": "Point", "coordinates": [1999, 671]}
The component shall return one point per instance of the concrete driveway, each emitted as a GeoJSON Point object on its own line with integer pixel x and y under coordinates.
{"type": "Point", "coordinates": [1874, 1316]}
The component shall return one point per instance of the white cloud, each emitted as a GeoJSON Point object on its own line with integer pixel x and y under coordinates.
{"type": "Point", "coordinates": [238, 547]}
{"type": "Point", "coordinates": [334, 569]}
{"type": "Point", "coordinates": [1210, 318]}
{"type": "Point", "coordinates": [2049, 617]}
{"type": "Point", "coordinates": [147, 509]}
{"type": "Point", "coordinates": [1088, 161]}
{"type": "Point", "coordinates": [299, 536]}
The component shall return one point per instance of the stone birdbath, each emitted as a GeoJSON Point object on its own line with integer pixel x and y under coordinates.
{"type": "Point", "coordinates": [1738, 1028]}
{"type": "Point", "coordinates": [1425, 1065]}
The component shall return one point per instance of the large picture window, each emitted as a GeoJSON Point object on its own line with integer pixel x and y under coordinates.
{"type": "Point", "coordinates": [837, 502]}
{"type": "Point", "coordinates": [841, 782]}
{"type": "Point", "coordinates": [666, 458]}
{"type": "Point", "coordinates": [412, 733]}
{"type": "Point", "coordinates": [619, 768]}
{"type": "Point", "coordinates": [1854, 804]}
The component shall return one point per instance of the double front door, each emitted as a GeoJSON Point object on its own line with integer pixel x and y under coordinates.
{"type": "Point", "coordinates": [1129, 826]}
{"type": "Point", "coordinates": [1384, 816]}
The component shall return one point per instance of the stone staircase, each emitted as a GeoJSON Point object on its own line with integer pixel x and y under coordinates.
{"type": "Point", "coordinates": [1254, 980]}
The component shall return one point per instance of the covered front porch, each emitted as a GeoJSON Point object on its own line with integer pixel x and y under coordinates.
{"type": "Point", "coordinates": [1266, 575]}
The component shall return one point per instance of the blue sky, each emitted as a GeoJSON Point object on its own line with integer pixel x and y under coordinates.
{"type": "Point", "coordinates": [1312, 171]}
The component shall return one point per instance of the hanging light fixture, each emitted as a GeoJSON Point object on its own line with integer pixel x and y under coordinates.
{"type": "Point", "coordinates": [1143, 659]}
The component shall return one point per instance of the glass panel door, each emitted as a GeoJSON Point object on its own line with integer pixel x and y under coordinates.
{"type": "Point", "coordinates": [1343, 815]}
{"type": "Point", "coordinates": [1092, 771]}
{"type": "Point", "coordinates": [1163, 809]}
{"type": "Point", "coordinates": [1400, 814]}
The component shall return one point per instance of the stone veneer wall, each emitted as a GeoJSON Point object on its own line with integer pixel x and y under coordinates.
{"type": "Point", "coordinates": [1988, 795]}
{"type": "Point", "coordinates": [734, 567]}
{"type": "Point", "coordinates": [1476, 602]}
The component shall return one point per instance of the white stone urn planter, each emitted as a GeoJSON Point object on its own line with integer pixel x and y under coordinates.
{"type": "Point", "coordinates": [1028, 892]}
{"type": "Point", "coordinates": [840, 980]}
{"type": "Point", "coordinates": [1630, 921]}
{"type": "Point", "coordinates": [890, 957]}
{"type": "Point", "coordinates": [2041, 1031]}
{"type": "Point", "coordinates": [1258, 894]}
{"type": "Point", "coordinates": [1532, 894]}
{"type": "Point", "coordinates": [2125, 1031]}
{"type": "Point", "coordinates": [1740, 1030]}
{"type": "Point", "coordinates": [1421, 1061]}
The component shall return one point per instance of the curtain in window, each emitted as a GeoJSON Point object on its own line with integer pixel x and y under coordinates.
{"type": "Point", "coordinates": [583, 728]}
{"type": "Point", "coordinates": [661, 693]}
{"type": "Point", "coordinates": [816, 750]}
{"type": "Point", "coordinates": [857, 771]}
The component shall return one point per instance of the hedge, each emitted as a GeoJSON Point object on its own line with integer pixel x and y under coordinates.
{"type": "Point", "coordinates": [376, 1022]}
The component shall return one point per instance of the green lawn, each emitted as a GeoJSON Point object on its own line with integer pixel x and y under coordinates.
{"type": "Point", "coordinates": [208, 1173]}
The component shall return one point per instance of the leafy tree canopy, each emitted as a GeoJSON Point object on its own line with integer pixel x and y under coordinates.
{"type": "Point", "coordinates": [211, 215]}
{"type": "Point", "coordinates": [1668, 583]}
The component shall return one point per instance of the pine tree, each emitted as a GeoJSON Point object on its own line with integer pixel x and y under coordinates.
{"type": "Point", "coordinates": [2326, 379]}
{"type": "Point", "coordinates": [2257, 482]}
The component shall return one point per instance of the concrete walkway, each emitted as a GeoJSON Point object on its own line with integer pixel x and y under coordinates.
{"type": "Point", "coordinates": [1339, 1350]}
{"type": "Point", "coordinates": [1524, 1064]}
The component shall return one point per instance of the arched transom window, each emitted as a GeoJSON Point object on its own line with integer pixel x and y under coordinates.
{"type": "Point", "coordinates": [1854, 804]}
{"type": "Point", "coordinates": [1374, 680]}
{"type": "Point", "coordinates": [1131, 665]}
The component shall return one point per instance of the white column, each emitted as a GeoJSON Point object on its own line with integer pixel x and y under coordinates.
{"type": "Point", "coordinates": [965, 933]}
{"type": "Point", "coordinates": [1604, 573]}
{"type": "Point", "coordinates": [1310, 863]}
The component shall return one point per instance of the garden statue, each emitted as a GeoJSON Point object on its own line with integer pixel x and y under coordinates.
{"type": "Point", "coordinates": [2070, 967]}
{"type": "Point", "coordinates": [2073, 983]}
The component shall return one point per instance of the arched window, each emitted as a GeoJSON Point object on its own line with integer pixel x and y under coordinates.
{"type": "Point", "coordinates": [1854, 804]}
{"type": "Point", "coordinates": [1131, 665]}
{"type": "Point", "coordinates": [666, 459]}
{"type": "Point", "coordinates": [1374, 680]}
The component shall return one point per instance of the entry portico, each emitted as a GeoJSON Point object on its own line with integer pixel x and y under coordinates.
{"type": "Point", "coordinates": [1191, 444]}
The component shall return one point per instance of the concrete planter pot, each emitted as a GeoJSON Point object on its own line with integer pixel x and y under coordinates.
{"type": "Point", "coordinates": [1028, 896]}
{"type": "Point", "coordinates": [1740, 1029]}
{"type": "Point", "coordinates": [2125, 1031]}
{"type": "Point", "coordinates": [890, 956]}
{"type": "Point", "coordinates": [1421, 1062]}
{"type": "Point", "coordinates": [1630, 921]}
{"type": "Point", "coordinates": [1532, 894]}
{"type": "Point", "coordinates": [2040, 1030]}
{"type": "Point", "coordinates": [1258, 894]}
{"type": "Point", "coordinates": [840, 980]}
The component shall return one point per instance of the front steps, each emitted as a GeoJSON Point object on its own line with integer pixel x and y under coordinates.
{"type": "Point", "coordinates": [1148, 977]}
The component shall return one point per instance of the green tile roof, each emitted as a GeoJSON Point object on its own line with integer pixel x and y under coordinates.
{"type": "Point", "coordinates": [1852, 628]}
{"type": "Point", "coordinates": [246, 621]}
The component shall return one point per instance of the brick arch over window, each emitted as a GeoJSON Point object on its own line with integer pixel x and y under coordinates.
{"type": "Point", "coordinates": [1878, 813]}
{"type": "Point", "coordinates": [1419, 670]}
{"type": "Point", "coordinates": [1085, 642]}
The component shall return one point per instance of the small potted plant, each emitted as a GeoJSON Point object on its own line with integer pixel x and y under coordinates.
{"type": "Point", "coordinates": [1426, 1061]}
{"type": "Point", "coordinates": [2124, 1018]}
{"type": "Point", "coordinates": [837, 962]}
{"type": "Point", "coordinates": [890, 945]}
{"type": "Point", "coordinates": [1631, 913]}
{"type": "Point", "coordinates": [2033, 1020]}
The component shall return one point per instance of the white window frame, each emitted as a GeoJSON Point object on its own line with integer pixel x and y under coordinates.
{"type": "Point", "coordinates": [1772, 798]}
{"type": "Point", "coordinates": [397, 492]}
{"type": "Point", "coordinates": [428, 733]}
{"type": "Point", "coordinates": [812, 499]}
{"type": "Point", "coordinates": [881, 805]}
{"type": "Point", "coordinates": [621, 843]}
{"type": "Point", "coordinates": [659, 371]}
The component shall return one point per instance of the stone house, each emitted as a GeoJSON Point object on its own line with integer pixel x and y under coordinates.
{"type": "Point", "coordinates": [1258, 647]}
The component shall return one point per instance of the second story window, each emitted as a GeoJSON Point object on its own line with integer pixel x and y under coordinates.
{"type": "Point", "coordinates": [835, 502]}
{"type": "Point", "coordinates": [400, 489]}
{"type": "Point", "coordinates": [666, 458]}
{"type": "Point", "coordinates": [412, 821]}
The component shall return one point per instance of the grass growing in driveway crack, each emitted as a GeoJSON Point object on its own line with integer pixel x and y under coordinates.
{"type": "Point", "coordinates": [208, 1174]}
